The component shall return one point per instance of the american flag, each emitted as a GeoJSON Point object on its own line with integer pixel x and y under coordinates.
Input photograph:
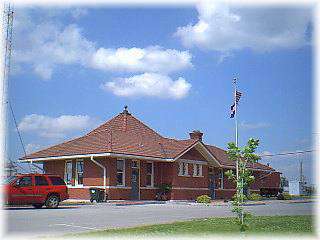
{"type": "Point", "coordinates": [238, 96]}
{"type": "Point", "coordinates": [233, 109]}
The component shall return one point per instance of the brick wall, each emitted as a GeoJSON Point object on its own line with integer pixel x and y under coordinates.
{"type": "Point", "coordinates": [164, 172]}
{"type": "Point", "coordinates": [189, 181]}
{"type": "Point", "coordinates": [185, 194]}
{"type": "Point", "coordinates": [193, 154]}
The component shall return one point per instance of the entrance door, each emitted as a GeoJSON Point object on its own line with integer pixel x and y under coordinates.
{"type": "Point", "coordinates": [212, 186]}
{"type": "Point", "coordinates": [135, 180]}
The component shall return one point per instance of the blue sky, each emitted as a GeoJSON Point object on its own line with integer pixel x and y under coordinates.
{"type": "Point", "coordinates": [75, 68]}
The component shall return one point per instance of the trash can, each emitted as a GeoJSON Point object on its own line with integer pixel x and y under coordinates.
{"type": "Point", "coordinates": [96, 194]}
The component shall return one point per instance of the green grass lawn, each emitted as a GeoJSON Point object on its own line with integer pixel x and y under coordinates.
{"type": "Point", "coordinates": [258, 225]}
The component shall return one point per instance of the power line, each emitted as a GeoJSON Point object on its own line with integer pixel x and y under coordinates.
{"type": "Point", "coordinates": [16, 125]}
{"type": "Point", "coordinates": [287, 153]}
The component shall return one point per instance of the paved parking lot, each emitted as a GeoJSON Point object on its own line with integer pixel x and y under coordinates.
{"type": "Point", "coordinates": [73, 219]}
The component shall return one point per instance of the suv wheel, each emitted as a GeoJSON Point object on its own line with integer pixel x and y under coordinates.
{"type": "Point", "coordinates": [52, 201]}
{"type": "Point", "coordinates": [37, 205]}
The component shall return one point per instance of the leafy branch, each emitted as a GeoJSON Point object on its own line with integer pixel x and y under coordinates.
{"type": "Point", "coordinates": [243, 176]}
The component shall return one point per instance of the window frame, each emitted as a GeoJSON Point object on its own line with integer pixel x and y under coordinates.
{"type": "Point", "coordinates": [195, 170]}
{"type": "Point", "coordinates": [19, 180]}
{"type": "Point", "coordinates": [123, 184]}
{"type": "Point", "coordinates": [43, 177]}
{"type": "Point", "coordinates": [53, 181]}
{"type": "Point", "coordinates": [65, 172]}
{"type": "Point", "coordinates": [77, 173]}
{"type": "Point", "coordinates": [220, 178]}
{"type": "Point", "coordinates": [183, 169]}
{"type": "Point", "coordinates": [152, 174]}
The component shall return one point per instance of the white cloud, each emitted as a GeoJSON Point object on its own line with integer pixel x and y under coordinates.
{"type": "Point", "coordinates": [32, 147]}
{"type": "Point", "coordinates": [46, 45]}
{"type": "Point", "coordinates": [249, 126]}
{"type": "Point", "coordinates": [149, 84]}
{"type": "Point", "coordinates": [59, 127]}
{"type": "Point", "coordinates": [223, 29]}
{"type": "Point", "coordinates": [150, 59]}
{"type": "Point", "coordinates": [78, 13]}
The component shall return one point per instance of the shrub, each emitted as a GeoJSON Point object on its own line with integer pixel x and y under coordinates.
{"type": "Point", "coordinates": [203, 199]}
{"type": "Point", "coordinates": [254, 197]}
{"type": "Point", "coordinates": [234, 197]}
{"type": "Point", "coordinates": [287, 196]}
{"type": "Point", "coordinates": [165, 188]}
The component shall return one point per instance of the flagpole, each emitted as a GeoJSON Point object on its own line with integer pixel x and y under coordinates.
{"type": "Point", "coordinates": [237, 142]}
{"type": "Point", "coordinates": [236, 124]}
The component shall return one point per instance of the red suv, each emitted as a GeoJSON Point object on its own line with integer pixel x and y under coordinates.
{"type": "Point", "coordinates": [36, 190]}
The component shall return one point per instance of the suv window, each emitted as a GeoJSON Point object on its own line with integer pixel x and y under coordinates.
{"type": "Point", "coordinates": [24, 182]}
{"type": "Point", "coordinates": [41, 181]}
{"type": "Point", "coordinates": [57, 181]}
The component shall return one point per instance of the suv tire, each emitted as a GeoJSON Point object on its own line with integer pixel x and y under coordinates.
{"type": "Point", "coordinates": [52, 201]}
{"type": "Point", "coordinates": [37, 205]}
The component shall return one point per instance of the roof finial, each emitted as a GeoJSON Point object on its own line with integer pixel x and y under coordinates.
{"type": "Point", "coordinates": [125, 110]}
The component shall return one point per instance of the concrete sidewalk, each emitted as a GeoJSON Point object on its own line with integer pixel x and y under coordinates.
{"type": "Point", "coordinates": [182, 202]}
{"type": "Point", "coordinates": [88, 217]}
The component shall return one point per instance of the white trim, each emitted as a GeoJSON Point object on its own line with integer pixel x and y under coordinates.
{"type": "Point", "coordinates": [107, 187]}
{"type": "Point", "coordinates": [186, 169]}
{"type": "Point", "coordinates": [200, 144]}
{"type": "Point", "coordinates": [152, 174]}
{"type": "Point", "coordinates": [229, 189]}
{"type": "Point", "coordinates": [195, 170]}
{"type": "Point", "coordinates": [123, 173]}
{"type": "Point", "coordinates": [65, 172]}
{"type": "Point", "coordinates": [148, 188]}
{"type": "Point", "coordinates": [108, 154]}
{"type": "Point", "coordinates": [252, 169]}
{"type": "Point", "coordinates": [194, 161]}
{"type": "Point", "coordinates": [76, 183]}
{"type": "Point", "coordinates": [222, 177]}
{"type": "Point", "coordinates": [116, 155]}
{"type": "Point", "coordinates": [104, 171]}
{"type": "Point", "coordinates": [187, 188]}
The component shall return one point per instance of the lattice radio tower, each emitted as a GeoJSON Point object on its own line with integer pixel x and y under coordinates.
{"type": "Point", "coordinates": [7, 27]}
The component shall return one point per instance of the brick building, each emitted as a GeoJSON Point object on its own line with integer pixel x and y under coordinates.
{"type": "Point", "coordinates": [129, 160]}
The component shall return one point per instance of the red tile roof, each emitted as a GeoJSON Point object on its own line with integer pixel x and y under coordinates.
{"type": "Point", "coordinates": [222, 156]}
{"type": "Point", "coordinates": [125, 134]}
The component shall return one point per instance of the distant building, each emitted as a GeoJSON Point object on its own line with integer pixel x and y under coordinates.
{"type": "Point", "coordinates": [297, 187]}
{"type": "Point", "coordinates": [10, 170]}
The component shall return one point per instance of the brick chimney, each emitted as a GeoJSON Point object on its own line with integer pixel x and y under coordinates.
{"type": "Point", "coordinates": [196, 134]}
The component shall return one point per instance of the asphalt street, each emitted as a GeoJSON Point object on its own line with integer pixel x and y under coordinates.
{"type": "Point", "coordinates": [72, 219]}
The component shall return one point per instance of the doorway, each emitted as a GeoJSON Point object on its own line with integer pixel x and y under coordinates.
{"type": "Point", "coordinates": [211, 183]}
{"type": "Point", "coordinates": [135, 181]}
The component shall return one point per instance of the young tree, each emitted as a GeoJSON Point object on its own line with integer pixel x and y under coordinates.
{"type": "Point", "coordinates": [243, 177]}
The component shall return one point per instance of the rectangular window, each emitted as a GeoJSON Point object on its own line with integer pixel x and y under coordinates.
{"type": "Point", "coordinates": [219, 179]}
{"type": "Point", "coordinates": [79, 170]}
{"type": "Point", "coordinates": [56, 181]}
{"type": "Point", "coordinates": [183, 169]}
{"type": "Point", "coordinates": [120, 172]}
{"type": "Point", "coordinates": [24, 182]}
{"type": "Point", "coordinates": [68, 172]}
{"type": "Point", "coordinates": [134, 164]}
{"type": "Point", "coordinates": [197, 170]}
{"type": "Point", "coordinates": [41, 181]}
{"type": "Point", "coordinates": [149, 174]}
